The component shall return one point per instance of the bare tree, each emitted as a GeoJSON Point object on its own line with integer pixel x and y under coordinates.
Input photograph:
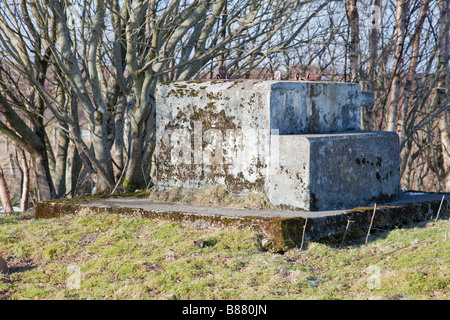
{"type": "Point", "coordinates": [100, 61]}
{"type": "Point", "coordinates": [441, 93]}
{"type": "Point", "coordinates": [367, 112]}
{"type": "Point", "coordinates": [400, 28]}
{"type": "Point", "coordinates": [4, 194]}
{"type": "Point", "coordinates": [353, 18]}
{"type": "Point", "coordinates": [109, 60]}
{"type": "Point", "coordinates": [19, 101]}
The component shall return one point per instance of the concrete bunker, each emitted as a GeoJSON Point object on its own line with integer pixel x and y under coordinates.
{"type": "Point", "coordinates": [299, 142]}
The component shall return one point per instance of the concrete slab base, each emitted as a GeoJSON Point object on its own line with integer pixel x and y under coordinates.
{"type": "Point", "coordinates": [279, 229]}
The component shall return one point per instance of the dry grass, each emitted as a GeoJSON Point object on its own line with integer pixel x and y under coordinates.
{"type": "Point", "coordinates": [212, 196]}
{"type": "Point", "coordinates": [91, 256]}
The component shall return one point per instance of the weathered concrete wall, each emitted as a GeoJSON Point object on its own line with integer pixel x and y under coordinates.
{"type": "Point", "coordinates": [213, 133]}
{"type": "Point", "coordinates": [331, 171]}
{"type": "Point", "coordinates": [314, 107]}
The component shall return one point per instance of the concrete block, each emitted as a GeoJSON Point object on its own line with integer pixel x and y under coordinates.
{"type": "Point", "coordinates": [334, 171]}
{"type": "Point", "coordinates": [284, 138]}
{"type": "Point", "coordinates": [218, 132]}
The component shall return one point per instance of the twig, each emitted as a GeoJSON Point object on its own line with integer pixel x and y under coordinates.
{"type": "Point", "coordinates": [440, 206]}
{"type": "Point", "coordinates": [303, 234]}
{"type": "Point", "coordinates": [371, 221]}
{"type": "Point", "coordinates": [413, 245]}
{"type": "Point", "coordinates": [385, 254]}
{"type": "Point", "coordinates": [345, 232]}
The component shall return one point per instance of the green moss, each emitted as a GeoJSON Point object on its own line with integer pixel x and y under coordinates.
{"type": "Point", "coordinates": [98, 116]}
{"type": "Point", "coordinates": [129, 185]}
{"type": "Point", "coordinates": [52, 250]}
{"type": "Point", "coordinates": [182, 91]}
{"type": "Point", "coordinates": [216, 96]}
{"type": "Point", "coordinates": [49, 209]}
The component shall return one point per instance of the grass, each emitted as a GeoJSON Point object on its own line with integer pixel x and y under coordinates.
{"type": "Point", "coordinates": [215, 195]}
{"type": "Point", "coordinates": [92, 256]}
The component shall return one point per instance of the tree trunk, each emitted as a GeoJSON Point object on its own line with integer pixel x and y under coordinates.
{"type": "Point", "coordinates": [74, 160]}
{"type": "Point", "coordinates": [24, 177]}
{"type": "Point", "coordinates": [20, 176]}
{"type": "Point", "coordinates": [445, 141]}
{"type": "Point", "coordinates": [143, 140]}
{"type": "Point", "coordinates": [400, 28]}
{"type": "Point", "coordinates": [4, 194]}
{"type": "Point", "coordinates": [353, 19]}
{"type": "Point", "coordinates": [100, 122]}
{"type": "Point", "coordinates": [31, 141]}
{"type": "Point", "coordinates": [442, 90]}
{"type": "Point", "coordinates": [412, 67]}
{"type": "Point", "coordinates": [24, 195]}
{"type": "Point", "coordinates": [73, 170]}
{"type": "Point", "coordinates": [221, 62]}
{"type": "Point", "coordinates": [62, 144]}
{"type": "Point", "coordinates": [43, 177]}
{"type": "Point", "coordinates": [135, 176]}
{"type": "Point", "coordinates": [119, 140]}
{"type": "Point", "coordinates": [93, 106]}
{"type": "Point", "coordinates": [406, 137]}
{"type": "Point", "coordinates": [61, 162]}
{"type": "Point", "coordinates": [367, 113]}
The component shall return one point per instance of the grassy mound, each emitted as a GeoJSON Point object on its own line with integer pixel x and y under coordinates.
{"type": "Point", "coordinates": [94, 256]}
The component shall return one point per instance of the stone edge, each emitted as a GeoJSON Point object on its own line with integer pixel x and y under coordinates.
{"type": "Point", "coordinates": [277, 233]}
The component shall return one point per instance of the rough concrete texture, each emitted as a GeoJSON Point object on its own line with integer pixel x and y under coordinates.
{"type": "Point", "coordinates": [279, 229]}
{"type": "Point", "coordinates": [325, 172]}
{"type": "Point", "coordinates": [213, 133]}
{"type": "Point", "coordinates": [314, 107]}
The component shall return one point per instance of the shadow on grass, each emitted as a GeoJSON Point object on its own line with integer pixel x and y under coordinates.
{"type": "Point", "coordinates": [358, 238]}
{"type": "Point", "coordinates": [210, 242]}
{"type": "Point", "coordinates": [21, 265]}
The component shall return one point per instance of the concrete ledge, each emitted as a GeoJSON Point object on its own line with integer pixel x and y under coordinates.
{"type": "Point", "coordinates": [280, 229]}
